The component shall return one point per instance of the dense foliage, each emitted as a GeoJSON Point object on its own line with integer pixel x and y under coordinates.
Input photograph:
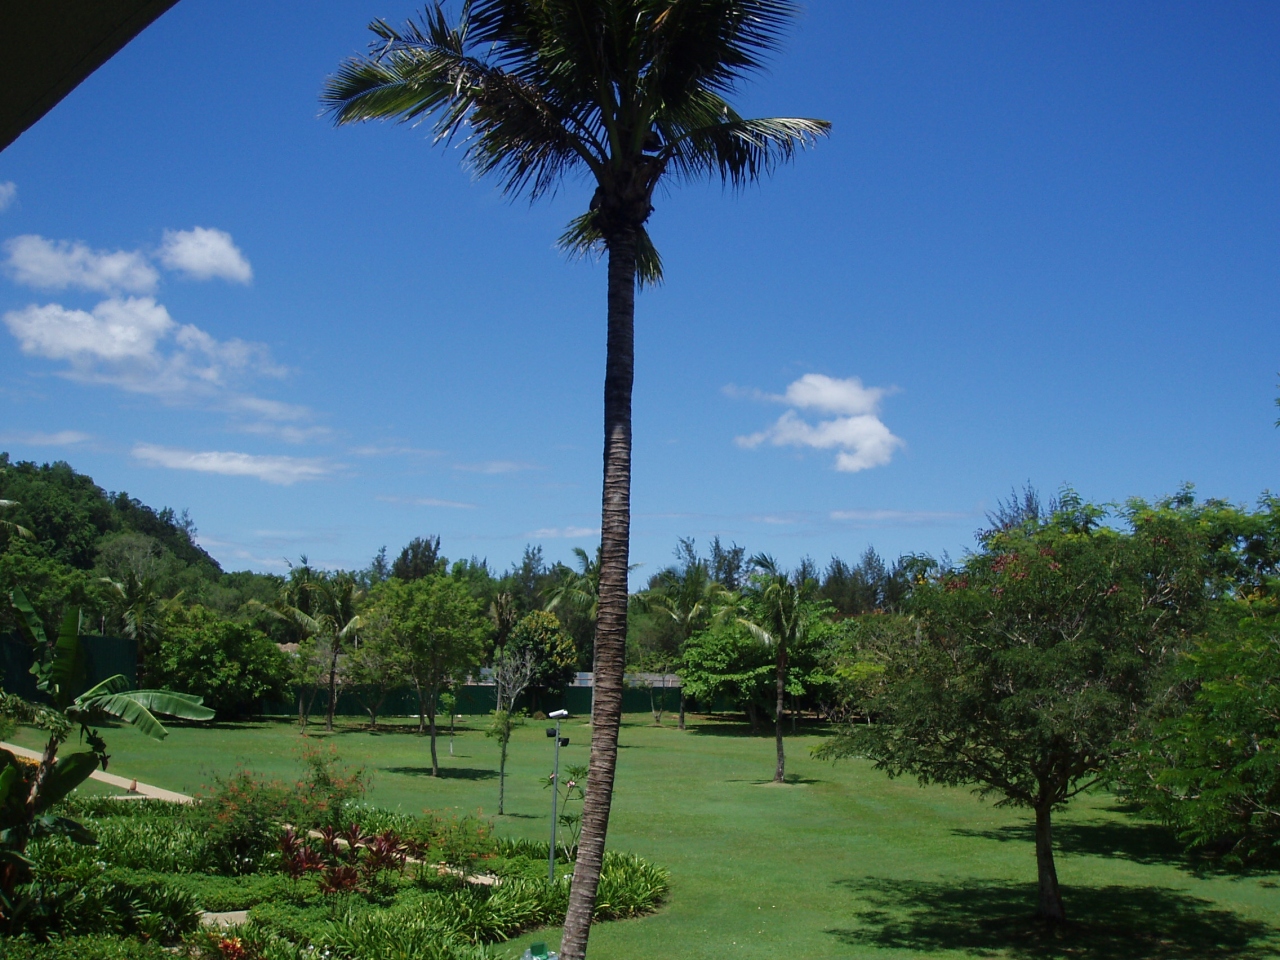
{"type": "Point", "coordinates": [1033, 662]}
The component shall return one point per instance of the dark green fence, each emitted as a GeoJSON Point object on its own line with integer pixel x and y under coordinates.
{"type": "Point", "coordinates": [473, 700]}
{"type": "Point", "coordinates": [105, 657]}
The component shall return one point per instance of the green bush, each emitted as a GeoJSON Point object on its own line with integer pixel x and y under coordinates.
{"type": "Point", "coordinates": [88, 899]}
{"type": "Point", "coordinates": [163, 844]}
{"type": "Point", "coordinates": [239, 821]}
{"type": "Point", "coordinates": [82, 948]}
{"type": "Point", "coordinates": [232, 665]}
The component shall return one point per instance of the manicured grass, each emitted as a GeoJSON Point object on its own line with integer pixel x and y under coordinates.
{"type": "Point", "coordinates": [842, 863]}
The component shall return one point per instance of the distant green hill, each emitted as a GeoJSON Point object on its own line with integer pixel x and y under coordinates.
{"type": "Point", "coordinates": [82, 533]}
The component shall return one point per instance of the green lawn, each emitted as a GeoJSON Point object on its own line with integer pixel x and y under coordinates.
{"type": "Point", "coordinates": [843, 863]}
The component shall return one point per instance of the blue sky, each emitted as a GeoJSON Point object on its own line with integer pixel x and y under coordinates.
{"type": "Point", "coordinates": [1041, 245]}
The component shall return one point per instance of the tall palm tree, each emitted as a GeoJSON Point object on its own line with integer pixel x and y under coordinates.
{"type": "Point", "coordinates": [322, 606]}
{"type": "Point", "coordinates": [691, 599]}
{"type": "Point", "coordinates": [139, 609]}
{"type": "Point", "coordinates": [629, 92]}
{"type": "Point", "coordinates": [779, 612]}
{"type": "Point", "coordinates": [578, 589]}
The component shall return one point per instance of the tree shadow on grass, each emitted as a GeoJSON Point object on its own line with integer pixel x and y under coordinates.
{"type": "Point", "coordinates": [1146, 843]}
{"type": "Point", "coordinates": [733, 725]}
{"type": "Point", "coordinates": [446, 773]}
{"type": "Point", "coordinates": [1107, 923]}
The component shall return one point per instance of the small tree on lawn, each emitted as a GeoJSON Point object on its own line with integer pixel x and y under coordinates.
{"type": "Point", "coordinates": [1030, 661]}
{"type": "Point", "coordinates": [779, 610]}
{"type": "Point", "coordinates": [513, 671]}
{"type": "Point", "coordinates": [440, 632]}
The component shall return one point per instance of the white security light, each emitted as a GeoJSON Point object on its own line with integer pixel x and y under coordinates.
{"type": "Point", "coordinates": [558, 714]}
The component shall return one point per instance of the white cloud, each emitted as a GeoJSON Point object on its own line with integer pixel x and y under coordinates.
{"type": "Point", "coordinates": [116, 331]}
{"type": "Point", "coordinates": [57, 264]}
{"type": "Point", "coordinates": [861, 439]}
{"type": "Point", "coordinates": [284, 471]}
{"type": "Point", "coordinates": [203, 253]}
{"type": "Point", "coordinates": [429, 502]}
{"type": "Point", "coordinates": [570, 533]}
{"type": "Point", "coordinates": [62, 438]}
{"type": "Point", "coordinates": [495, 466]}
{"type": "Point", "coordinates": [133, 343]}
{"type": "Point", "coordinates": [8, 192]}
{"type": "Point", "coordinates": [849, 398]}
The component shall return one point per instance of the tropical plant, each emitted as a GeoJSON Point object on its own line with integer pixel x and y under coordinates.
{"type": "Point", "coordinates": [629, 92]}
{"type": "Point", "coordinates": [779, 611]}
{"type": "Point", "coordinates": [139, 610]}
{"type": "Point", "coordinates": [322, 607]}
{"type": "Point", "coordinates": [28, 793]}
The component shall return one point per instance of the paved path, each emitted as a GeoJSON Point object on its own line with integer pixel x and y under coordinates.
{"type": "Point", "coordinates": [132, 788]}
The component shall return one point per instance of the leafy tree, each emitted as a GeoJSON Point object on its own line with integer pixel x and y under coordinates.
{"type": "Point", "coordinates": [375, 668]}
{"type": "Point", "coordinates": [440, 631]}
{"type": "Point", "coordinates": [728, 565]}
{"type": "Point", "coordinates": [554, 655]}
{"type": "Point", "coordinates": [779, 611]}
{"type": "Point", "coordinates": [420, 558]}
{"type": "Point", "coordinates": [629, 92]}
{"type": "Point", "coordinates": [231, 666]}
{"type": "Point", "coordinates": [869, 585]}
{"type": "Point", "coordinates": [726, 662]}
{"type": "Point", "coordinates": [1032, 660]}
{"type": "Point", "coordinates": [1211, 768]}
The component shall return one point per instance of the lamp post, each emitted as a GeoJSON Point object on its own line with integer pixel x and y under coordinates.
{"type": "Point", "coordinates": [557, 716]}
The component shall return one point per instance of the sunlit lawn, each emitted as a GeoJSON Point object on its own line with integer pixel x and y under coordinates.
{"type": "Point", "coordinates": [842, 863]}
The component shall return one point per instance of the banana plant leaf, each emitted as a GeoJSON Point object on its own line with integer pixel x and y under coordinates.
{"type": "Point", "coordinates": [74, 830]}
{"type": "Point", "coordinates": [67, 668]}
{"type": "Point", "coordinates": [67, 774]}
{"type": "Point", "coordinates": [113, 697]}
{"type": "Point", "coordinates": [10, 780]}
{"type": "Point", "coordinates": [28, 623]}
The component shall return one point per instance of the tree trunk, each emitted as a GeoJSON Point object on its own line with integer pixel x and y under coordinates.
{"type": "Point", "coordinates": [422, 709]}
{"type": "Point", "coordinates": [753, 715]}
{"type": "Point", "coordinates": [611, 620]}
{"type": "Point", "coordinates": [682, 707]}
{"type": "Point", "coordinates": [779, 774]}
{"type": "Point", "coordinates": [1050, 907]}
{"type": "Point", "coordinates": [431, 713]}
{"type": "Point", "coordinates": [502, 769]}
{"type": "Point", "coordinates": [333, 687]}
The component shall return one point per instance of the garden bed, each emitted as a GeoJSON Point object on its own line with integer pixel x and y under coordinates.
{"type": "Point", "coordinates": [384, 886]}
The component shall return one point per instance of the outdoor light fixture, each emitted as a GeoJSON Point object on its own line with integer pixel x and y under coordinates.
{"type": "Point", "coordinates": [557, 716]}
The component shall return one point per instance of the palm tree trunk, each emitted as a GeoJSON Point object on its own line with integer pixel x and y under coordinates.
{"type": "Point", "coordinates": [611, 620]}
{"type": "Point", "coordinates": [779, 774]}
{"type": "Point", "coordinates": [682, 705]}
{"type": "Point", "coordinates": [1050, 907]}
